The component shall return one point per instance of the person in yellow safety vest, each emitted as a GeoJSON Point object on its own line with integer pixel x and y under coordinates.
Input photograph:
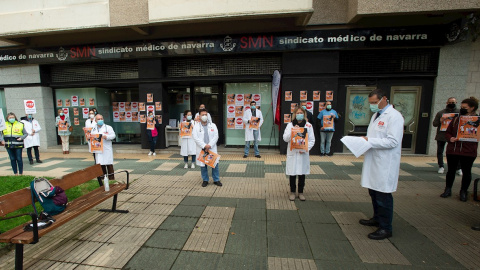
{"type": "Point", "coordinates": [12, 137]}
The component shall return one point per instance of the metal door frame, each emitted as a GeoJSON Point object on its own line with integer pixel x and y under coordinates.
{"type": "Point", "coordinates": [353, 89]}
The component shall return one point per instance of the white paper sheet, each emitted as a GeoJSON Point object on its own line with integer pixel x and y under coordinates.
{"type": "Point", "coordinates": [357, 145]}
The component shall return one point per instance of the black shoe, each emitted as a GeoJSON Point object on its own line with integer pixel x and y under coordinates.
{"type": "Point", "coordinates": [39, 161]}
{"type": "Point", "coordinates": [204, 183]}
{"type": "Point", "coordinates": [245, 156]}
{"type": "Point", "coordinates": [380, 234]}
{"type": "Point", "coordinates": [258, 156]}
{"type": "Point", "coordinates": [463, 195]}
{"type": "Point", "coordinates": [31, 162]}
{"type": "Point", "coordinates": [322, 154]}
{"type": "Point", "coordinates": [446, 193]}
{"type": "Point", "coordinates": [368, 222]}
{"type": "Point", "coordinates": [476, 227]}
{"type": "Point", "coordinates": [218, 183]}
{"type": "Point", "coordinates": [330, 154]}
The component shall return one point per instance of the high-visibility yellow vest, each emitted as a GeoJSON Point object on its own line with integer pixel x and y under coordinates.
{"type": "Point", "coordinates": [11, 133]}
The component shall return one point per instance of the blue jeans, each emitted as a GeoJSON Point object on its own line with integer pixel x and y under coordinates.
{"type": "Point", "coordinates": [185, 158]}
{"type": "Point", "coordinates": [15, 155]}
{"type": "Point", "coordinates": [325, 137]}
{"type": "Point", "coordinates": [255, 144]}
{"type": "Point", "coordinates": [215, 173]}
{"type": "Point", "coordinates": [153, 142]}
{"type": "Point", "coordinates": [382, 208]}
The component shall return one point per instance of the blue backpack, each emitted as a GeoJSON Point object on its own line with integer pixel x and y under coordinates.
{"type": "Point", "coordinates": [52, 199]}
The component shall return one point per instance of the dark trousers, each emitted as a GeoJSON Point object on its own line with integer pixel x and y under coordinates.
{"type": "Point", "coordinates": [153, 142]}
{"type": "Point", "coordinates": [293, 184]}
{"type": "Point", "coordinates": [107, 169]}
{"type": "Point", "coordinates": [15, 155]}
{"type": "Point", "coordinates": [29, 153]}
{"type": "Point", "coordinates": [466, 164]}
{"type": "Point", "coordinates": [185, 158]}
{"type": "Point", "coordinates": [382, 208]}
{"type": "Point", "coordinates": [440, 150]}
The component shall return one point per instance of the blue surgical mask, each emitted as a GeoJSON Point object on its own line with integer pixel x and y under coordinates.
{"type": "Point", "coordinates": [29, 116]}
{"type": "Point", "coordinates": [300, 117]}
{"type": "Point", "coordinates": [304, 107]}
{"type": "Point", "coordinates": [253, 107]}
{"type": "Point", "coordinates": [189, 117]}
{"type": "Point", "coordinates": [61, 114]}
{"type": "Point", "coordinates": [11, 120]}
{"type": "Point", "coordinates": [100, 122]}
{"type": "Point", "coordinates": [374, 107]}
{"type": "Point", "coordinates": [329, 107]}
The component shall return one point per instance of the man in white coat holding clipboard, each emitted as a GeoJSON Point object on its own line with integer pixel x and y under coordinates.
{"type": "Point", "coordinates": [205, 135]}
{"type": "Point", "coordinates": [252, 134]}
{"type": "Point", "coordinates": [106, 157]}
{"type": "Point", "coordinates": [381, 165]}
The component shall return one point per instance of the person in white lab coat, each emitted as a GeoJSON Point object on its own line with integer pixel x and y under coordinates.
{"type": "Point", "coordinates": [90, 122]}
{"type": "Point", "coordinates": [381, 165]}
{"type": "Point", "coordinates": [252, 134]}
{"type": "Point", "coordinates": [205, 135]}
{"type": "Point", "coordinates": [33, 139]}
{"type": "Point", "coordinates": [298, 161]}
{"type": "Point", "coordinates": [188, 147]}
{"type": "Point", "coordinates": [197, 116]}
{"type": "Point", "coordinates": [106, 157]}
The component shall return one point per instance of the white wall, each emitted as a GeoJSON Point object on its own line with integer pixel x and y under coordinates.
{"type": "Point", "coordinates": [35, 16]}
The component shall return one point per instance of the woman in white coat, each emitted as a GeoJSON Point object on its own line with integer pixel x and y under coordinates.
{"type": "Point", "coordinates": [106, 157]}
{"type": "Point", "coordinates": [32, 126]}
{"type": "Point", "coordinates": [298, 161]}
{"type": "Point", "coordinates": [252, 134]}
{"type": "Point", "coordinates": [188, 146]}
{"type": "Point", "coordinates": [64, 134]}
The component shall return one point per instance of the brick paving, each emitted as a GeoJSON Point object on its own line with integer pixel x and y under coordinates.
{"type": "Point", "coordinates": [249, 223]}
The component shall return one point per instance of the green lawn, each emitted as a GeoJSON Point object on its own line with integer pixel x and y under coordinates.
{"type": "Point", "coordinates": [12, 183]}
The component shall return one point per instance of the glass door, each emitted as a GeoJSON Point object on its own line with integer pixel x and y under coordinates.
{"type": "Point", "coordinates": [407, 101]}
{"type": "Point", "coordinates": [358, 110]}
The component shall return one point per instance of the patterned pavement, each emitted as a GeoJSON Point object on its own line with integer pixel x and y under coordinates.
{"type": "Point", "coordinates": [249, 223]}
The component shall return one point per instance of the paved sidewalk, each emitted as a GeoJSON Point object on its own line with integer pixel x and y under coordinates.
{"type": "Point", "coordinates": [249, 223]}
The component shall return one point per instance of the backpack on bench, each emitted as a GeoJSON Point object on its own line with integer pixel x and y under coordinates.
{"type": "Point", "coordinates": [52, 199]}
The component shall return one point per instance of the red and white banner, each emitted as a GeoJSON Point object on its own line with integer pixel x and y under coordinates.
{"type": "Point", "coordinates": [276, 93]}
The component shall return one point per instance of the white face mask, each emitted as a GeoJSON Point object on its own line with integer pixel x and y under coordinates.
{"type": "Point", "coordinates": [92, 116]}
{"type": "Point", "coordinates": [204, 118]}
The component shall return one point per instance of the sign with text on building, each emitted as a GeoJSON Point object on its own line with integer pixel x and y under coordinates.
{"type": "Point", "coordinates": [30, 107]}
{"type": "Point", "coordinates": [327, 39]}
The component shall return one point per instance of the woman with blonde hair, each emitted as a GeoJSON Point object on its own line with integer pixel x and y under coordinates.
{"type": "Point", "coordinates": [12, 137]}
{"type": "Point", "coordinates": [298, 160]}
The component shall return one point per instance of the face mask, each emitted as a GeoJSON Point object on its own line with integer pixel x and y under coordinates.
{"type": "Point", "coordinates": [304, 107]}
{"type": "Point", "coordinates": [451, 106]}
{"type": "Point", "coordinates": [253, 107]}
{"type": "Point", "coordinates": [29, 116]}
{"type": "Point", "coordinates": [92, 116]}
{"type": "Point", "coordinates": [201, 109]}
{"type": "Point", "coordinates": [189, 117]}
{"type": "Point", "coordinates": [95, 112]}
{"type": "Point", "coordinates": [329, 107]}
{"type": "Point", "coordinates": [204, 118]}
{"type": "Point", "coordinates": [61, 114]}
{"type": "Point", "coordinates": [300, 117]}
{"type": "Point", "coordinates": [374, 107]}
{"type": "Point", "coordinates": [11, 120]}
{"type": "Point", "coordinates": [100, 122]}
{"type": "Point", "coordinates": [463, 111]}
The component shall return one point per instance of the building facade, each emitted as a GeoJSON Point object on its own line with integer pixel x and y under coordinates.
{"type": "Point", "coordinates": [128, 57]}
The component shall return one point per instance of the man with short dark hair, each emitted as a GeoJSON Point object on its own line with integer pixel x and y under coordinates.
{"type": "Point", "coordinates": [252, 134]}
{"type": "Point", "coordinates": [440, 136]}
{"type": "Point", "coordinates": [381, 165]}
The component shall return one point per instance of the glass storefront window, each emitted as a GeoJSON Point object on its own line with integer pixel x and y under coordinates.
{"type": "Point", "coordinates": [178, 101]}
{"type": "Point", "coordinates": [237, 136]}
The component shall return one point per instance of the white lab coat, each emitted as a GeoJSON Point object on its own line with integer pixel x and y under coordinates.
{"type": "Point", "coordinates": [31, 140]}
{"type": "Point", "coordinates": [247, 115]}
{"type": "Point", "coordinates": [297, 163]}
{"type": "Point", "coordinates": [381, 165]}
{"type": "Point", "coordinates": [198, 135]}
{"type": "Point", "coordinates": [90, 123]}
{"type": "Point", "coordinates": [105, 158]}
{"type": "Point", "coordinates": [188, 146]}
{"type": "Point", "coordinates": [197, 116]}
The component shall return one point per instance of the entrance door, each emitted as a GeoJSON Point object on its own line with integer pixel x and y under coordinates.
{"type": "Point", "coordinates": [211, 97]}
{"type": "Point", "coordinates": [407, 101]}
{"type": "Point", "coordinates": [358, 110]}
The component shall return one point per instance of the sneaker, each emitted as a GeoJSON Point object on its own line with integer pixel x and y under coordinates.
{"type": "Point", "coordinates": [186, 166]}
{"type": "Point", "coordinates": [193, 166]}
{"type": "Point", "coordinates": [301, 197]}
{"type": "Point", "coordinates": [204, 183]}
{"type": "Point", "coordinates": [245, 156]}
{"type": "Point", "coordinates": [441, 170]}
{"type": "Point", "coordinates": [154, 153]}
{"type": "Point", "coordinates": [291, 197]}
{"type": "Point", "coordinates": [459, 172]}
{"type": "Point", "coordinates": [39, 161]}
{"type": "Point", "coordinates": [218, 183]}
{"type": "Point", "coordinates": [150, 153]}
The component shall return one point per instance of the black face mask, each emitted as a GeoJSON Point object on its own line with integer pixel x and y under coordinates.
{"type": "Point", "coordinates": [451, 106]}
{"type": "Point", "coordinates": [463, 111]}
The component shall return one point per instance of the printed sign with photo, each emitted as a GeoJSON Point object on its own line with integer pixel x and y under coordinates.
{"type": "Point", "coordinates": [116, 116]}
{"type": "Point", "coordinates": [134, 106]}
{"type": "Point", "coordinates": [299, 139]}
{"type": "Point", "coordinates": [446, 122]}
{"type": "Point", "coordinates": [150, 109]}
{"type": "Point", "coordinates": [62, 125]}
{"type": "Point", "coordinates": [96, 143]}
{"type": "Point", "coordinates": [210, 158]}
{"type": "Point", "coordinates": [67, 102]}
{"type": "Point", "coordinates": [122, 117]}
{"type": "Point", "coordinates": [231, 99]}
{"type": "Point", "coordinates": [115, 107]}
{"type": "Point", "coordinates": [321, 106]}
{"type": "Point", "coordinates": [329, 96]}
{"type": "Point", "coordinates": [76, 121]}
{"type": "Point", "coordinates": [141, 106]}
{"type": "Point", "coordinates": [303, 95]}
{"type": "Point", "coordinates": [66, 112]}
{"type": "Point", "coordinates": [85, 113]}
{"type": "Point", "coordinates": [91, 102]}
{"type": "Point", "coordinates": [75, 112]}
{"type": "Point", "coordinates": [143, 118]}
{"type": "Point", "coordinates": [82, 102]}
{"type": "Point", "coordinates": [159, 118]}
{"type": "Point", "coordinates": [158, 106]}
{"type": "Point", "coordinates": [186, 129]}
{"type": "Point", "coordinates": [128, 116]}
{"type": "Point", "coordinates": [128, 107]}
{"type": "Point", "coordinates": [134, 116]}
{"type": "Point", "coordinates": [468, 129]}
{"type": "Point", "coordinates": [257, 98]}
{"type": "Point", "coordinates": [121, 106]}
{"type": "Point", "coordinates": [316, 95]}
{"type": "Point", "coordinates": [254, 123]}
{"type": "Point", "coordinates": [239, 100]}
{"type": "Point", "coordinates": [230, 111]}
{"type": "Point", "coordinates": [149, 97]}
{"type": "Point", "coordinates": [230, 123]}
{"type": "Point", "coordinates": [287, 118]}
{"type": "Point", "coordinates": [86, 132]}
{"type": "Point", "coordinates": [74, 101]}
{"type": "Point", "coordinates": [238, 111]}
{"type": "Point", "coordinates": [151, 123]}
{"type": "Point", "coordinates": [288, 95]}
{"type": "Point", "coordinates": [59, 103]}
{"type": "Point", "coordinates": [239, 123]}
{"type": "Point", "coordinates": [310, 106]}
{"type": "Point", "coordinates": [292, 107]}
{"type": "Point", "coordinates": [247, 98]}
{"type": "Point", "coordinates": [30, 107]}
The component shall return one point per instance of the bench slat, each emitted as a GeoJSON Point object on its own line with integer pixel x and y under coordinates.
{"type": "Point", "coordinates": [74, 209]}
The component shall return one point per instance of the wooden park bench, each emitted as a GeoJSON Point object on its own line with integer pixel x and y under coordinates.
{"type": "Point", "coordinates": [22, 198]}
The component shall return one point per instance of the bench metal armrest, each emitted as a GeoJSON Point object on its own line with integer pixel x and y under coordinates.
{"type": "Point", "coordinates": [34, 222]}
{"type": "Point", "coordinates": [128, 176]}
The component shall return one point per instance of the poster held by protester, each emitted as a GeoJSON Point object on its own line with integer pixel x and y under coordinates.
{"type": "Point", "coordinates": [328, 121]}
{"type": "Point", "coordinates": [87, 131]}
{"type": "Point", "coordinates": [254, 123]}
{"type": "Point", "coordinates": [448, 118]}
{"type": "Point", "coordinates": [186, 129]}
{"type": "Point", "coordinates": [299, 139]}
{"type": "Point", "coordinates": [210, 158]}
{"type": "Point", "coordinates": [62, 125]}
{"type": "Point", "coordinates": [96, 143]}
{"type": "Point", "coordinates": [468, 129]}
